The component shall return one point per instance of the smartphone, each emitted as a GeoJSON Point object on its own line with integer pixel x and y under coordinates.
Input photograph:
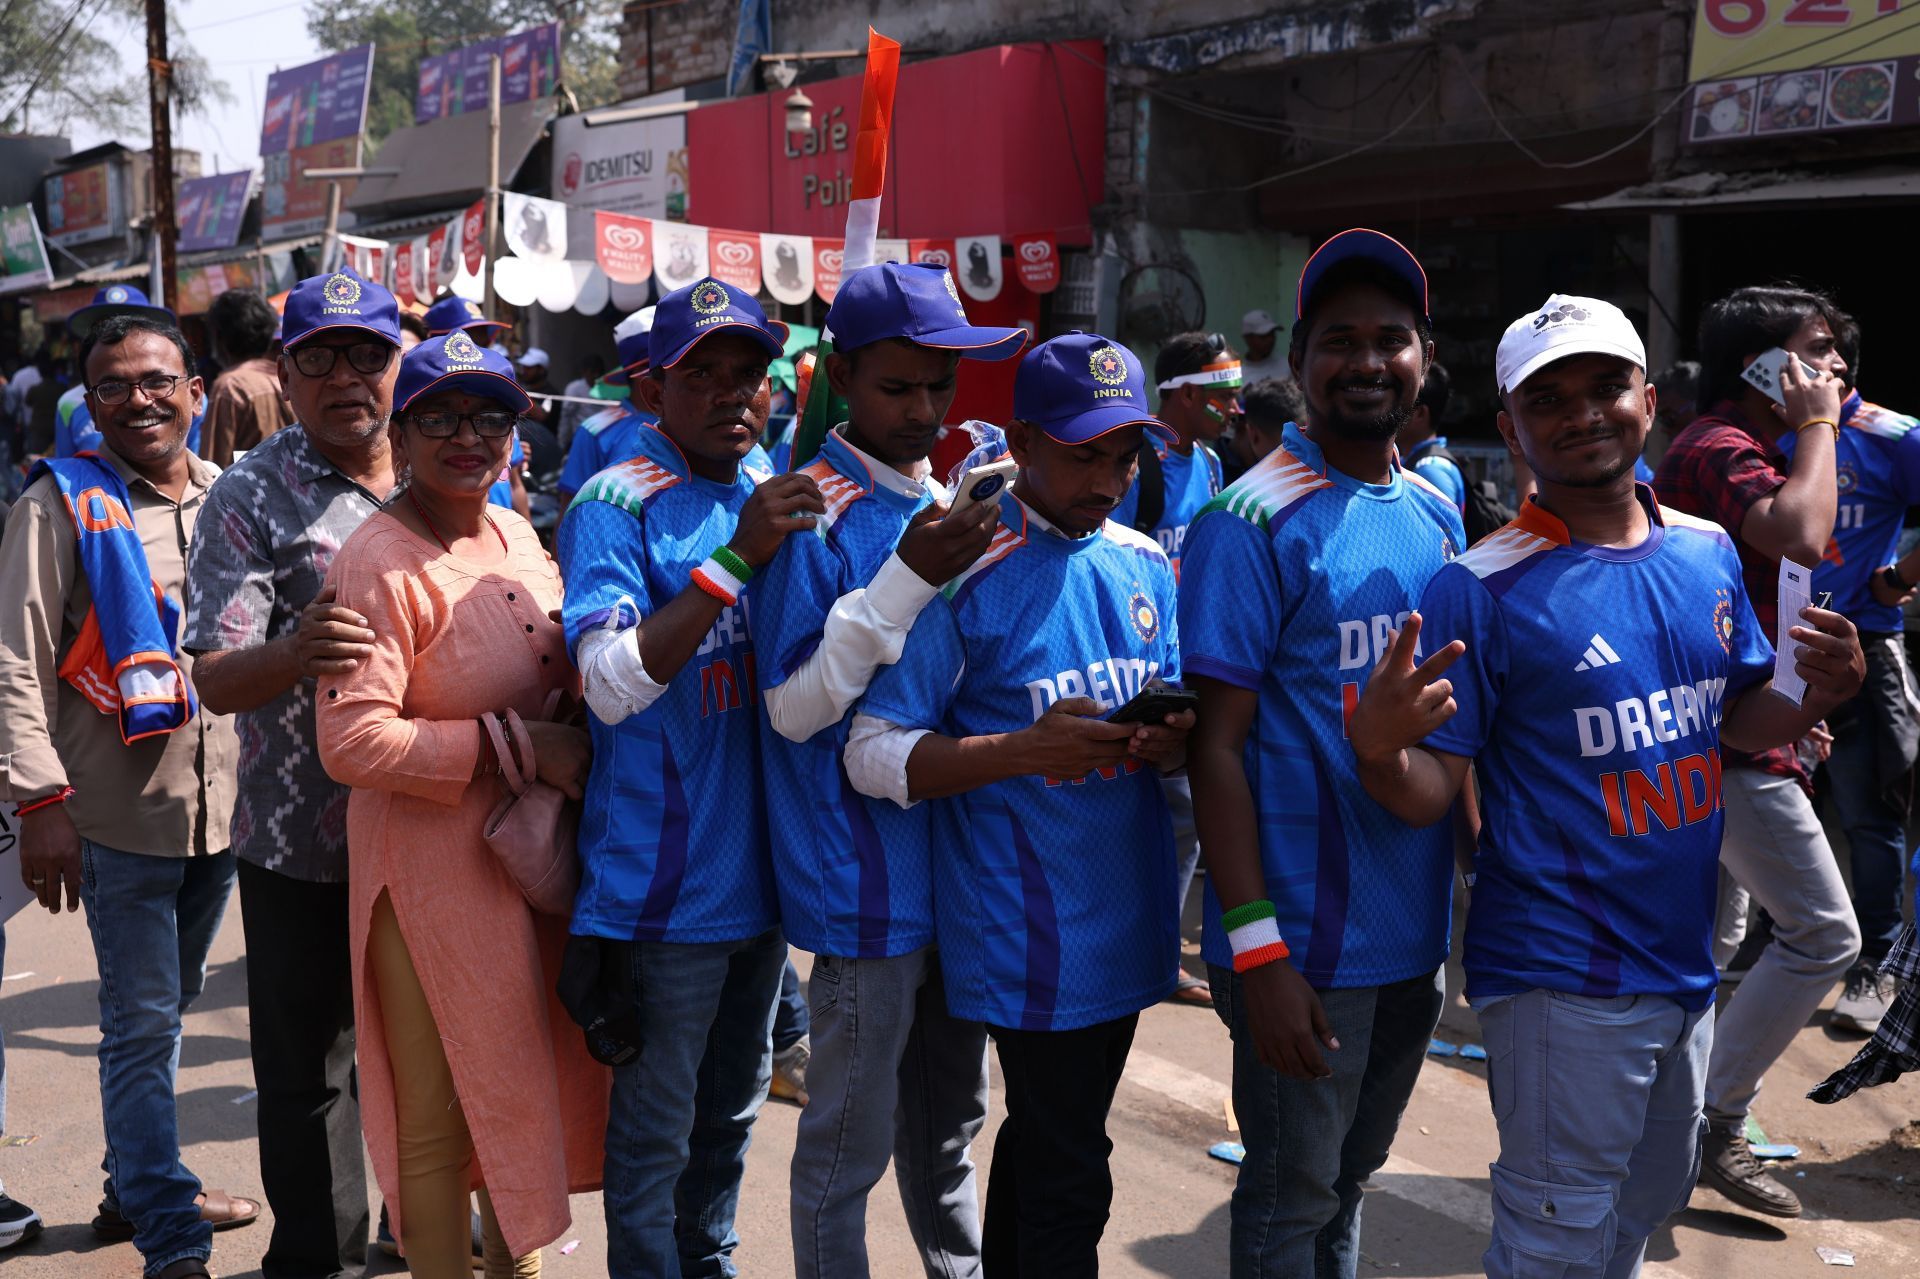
{"type": "Point", "coordinates": [983, 483]}
{"type": "Point", "coordinates": [1764, 373]}
{"type": "Point", "coordinates": [1152, 705]}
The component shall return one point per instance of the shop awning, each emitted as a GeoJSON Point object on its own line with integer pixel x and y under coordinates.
{"type": "Point", "coordinates": [443, 163]}
{"type": "Point", "coordinates": [1758, 190]}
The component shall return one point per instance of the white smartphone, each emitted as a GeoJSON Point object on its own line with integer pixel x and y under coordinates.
{"type": "Point", "coordinates": [1764, 373]}
{"type": "Point", "coordinates": [983, 483]}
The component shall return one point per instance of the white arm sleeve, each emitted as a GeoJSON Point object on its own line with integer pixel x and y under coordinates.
{"type": "Point", "coordinates": [876, 758]}
{"type": "Point", "coordinates": [616, 682]}
{"type": "Point", "coordinates": [865, 630]}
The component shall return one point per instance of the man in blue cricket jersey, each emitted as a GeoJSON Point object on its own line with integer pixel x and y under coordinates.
{"type": "Point", "coordinates": [1602, 650]}
{"type": "Point", "coordinates": [1053, 897]}
{"type": "Point", "coordinates": [1422, 447]}
{"type": "Point", "coordinates": [675, 871]}
{"type": "Point", "coordinates": [893, 1075]}
{"type": "Point", "coordinates": [1326, 919]}
{"type": "Point", "coordinates": [1877, 473]}
{"type": "Point", "coordinates": [611, 435]}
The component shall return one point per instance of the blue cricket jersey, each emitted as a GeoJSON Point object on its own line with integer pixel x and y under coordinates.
{"type": "Point", "coordinates": [1877, 469]}
{"type": "Point", "coordinates": [673, 834]}
{"type": "Point", "coordinates": [608, 438]}
{"type": "Point", "coordinates": [500, 493]}
{"type": "Point", "coordinates": [1438, 471]}
{"type": "Point", "coordinates": [1590, 698]}
{"type": "Point", "coordinates": [1191, 479]}
{"type": "Point", "coordinates": [855, 874]}
{"type": "Point", "coordinates": [1054, 899]}
{"type": "Point", "coordinates": [1294, 577]}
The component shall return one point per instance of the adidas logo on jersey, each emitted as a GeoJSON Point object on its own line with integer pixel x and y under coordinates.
{"type": "Point", "coordinates": [1599, 653]}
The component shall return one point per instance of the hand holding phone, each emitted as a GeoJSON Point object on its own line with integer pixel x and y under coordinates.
{"type": "Point", "coordinates": [1152, 705]}
{"type": "Point", "coordinates": [982, 483]}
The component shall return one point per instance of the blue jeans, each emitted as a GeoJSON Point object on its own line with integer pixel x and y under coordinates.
{"type": "Point", "coordinates": [1312, 1143]}
{"type": "Point", "coordinates": [682, 1111]}
{"type": "Point", "coordinates": [1599, 1103]}
{"type": "Point", "coordinates": [790, 1020]}
{"type": "Point", "coordinates": [1876, 836]}
{"type": "Point", "coordinates": [153, 919]}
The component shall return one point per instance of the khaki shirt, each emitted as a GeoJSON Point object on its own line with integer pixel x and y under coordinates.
{"type": "Point", "coordinates": [244, 407]}
{"type": "Point", "coordinates": [170, 795]}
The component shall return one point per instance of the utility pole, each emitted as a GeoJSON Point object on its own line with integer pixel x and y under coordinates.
{"type": "Point", "coordinates": [492, 222]}
{"type": "Point", "coordinates": [160, 107]}
{"type": "Point", "coordinates": [1663, 229]}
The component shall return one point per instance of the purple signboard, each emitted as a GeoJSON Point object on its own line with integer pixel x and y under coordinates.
{"type": "Point", "coordinates": [1814, 100]}
{"type": "Point", "coordinates": [316, 102]}
{"type": "Point", "coordinates": [455, 82]}
{"type": "Point", "coordinates": [211, 210]}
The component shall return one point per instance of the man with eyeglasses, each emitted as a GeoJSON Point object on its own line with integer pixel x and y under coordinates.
{"type": "Point", "coordinates": [125, 784]}
{"type": "Point", "coordinates": [262, 628]}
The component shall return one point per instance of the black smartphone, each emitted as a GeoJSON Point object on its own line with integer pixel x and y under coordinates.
{"type": "Point", "coordinates": [1153, 705]}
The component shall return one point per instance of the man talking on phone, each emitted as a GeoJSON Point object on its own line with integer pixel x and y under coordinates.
{"type": "Point", "coordinates": [892, 1075]}
{"type": "Point", "coordinates": [1053, 894]}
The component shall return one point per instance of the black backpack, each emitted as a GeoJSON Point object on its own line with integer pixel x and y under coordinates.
{"type": "Point", "coordinates": [1485, 512]}
{"type": "Point", "coordinates": [1152, 485]}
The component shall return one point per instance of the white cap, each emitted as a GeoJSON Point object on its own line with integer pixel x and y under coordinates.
{"type": "Point", "coordinates": [532, 357]}
{"type": "Point", "coordinates": [1256, 323]}
{"type": "Point", "coordinates": [1563, 326]}
{"type": "Point", "coordinates": [634, 325]}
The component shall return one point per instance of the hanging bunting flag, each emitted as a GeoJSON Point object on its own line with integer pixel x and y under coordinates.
{"type": "Point", "coordinates": [623, 246]}
{"type": "Point", "coordinates": [938, 252]}
{"type": "Point", "coordinates": [423, 268]}
{"type": "Point", "coordinates": [445, 243]}
{"type": "Point", "coordinates": [403, 272]}
{"type": "Point", "coordinates": [829, 265]}
{"type": "Point", "coordinates": [734, 259]}
{"type": "Point", "coordinates": [787, 263]}
{"type": "Point", "coordinates": [368, 257]}
{"type": "Point", "coordinates": [978, 268]}
{"type": "Point", "coordinates": [891, 251]}
{"type": "Point", "coordinates": [535, 228]}
{"type": "Point", "coordinates": [679, 254]}
{"type": "Point", "coordinates": [473, 236]}
{"type": "Point", "coordinates": [1036, 261]}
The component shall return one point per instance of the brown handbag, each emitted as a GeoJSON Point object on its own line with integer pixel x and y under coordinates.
{"type": "Point", "coordinates": [532, 831]}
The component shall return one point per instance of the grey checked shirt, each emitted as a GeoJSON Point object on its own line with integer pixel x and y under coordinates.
{"type": "Point", "coordinates": [272, 524]}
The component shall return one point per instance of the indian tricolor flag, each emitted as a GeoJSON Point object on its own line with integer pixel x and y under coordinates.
{"type": "Point", "coordinates": [820, 408]}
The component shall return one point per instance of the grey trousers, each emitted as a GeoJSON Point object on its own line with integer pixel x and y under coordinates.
{"type": "Point", "coordinates": [1775, 849]}
{"type": "Point", "coordinates": [893, 1075]}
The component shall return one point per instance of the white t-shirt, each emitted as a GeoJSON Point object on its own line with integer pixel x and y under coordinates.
{"type": "Point", "coordinates": [1274, 365]}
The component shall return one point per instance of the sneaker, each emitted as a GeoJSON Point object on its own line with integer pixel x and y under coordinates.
{"type": "Point", "coordinates": [1728, 1166]}
{"type": "Point", "coordinates": [790, 1072]}
{"type": "Point", "coordinates": [1864, 1002]}
{"type": "Point", "coordinates": [18, 1223]}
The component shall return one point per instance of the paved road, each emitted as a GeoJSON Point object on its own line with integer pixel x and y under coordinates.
{"type": "Point", "coordinates": [1426, 1216]}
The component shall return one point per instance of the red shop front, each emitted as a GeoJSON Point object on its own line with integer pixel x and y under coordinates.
{"type": "Point", "coordinates": [1008, 140]}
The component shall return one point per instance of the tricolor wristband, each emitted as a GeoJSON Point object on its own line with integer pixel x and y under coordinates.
{"type": "Point", "coordinates": [1254, 935]}
{"type": "Point", "coordinates": [717, 580]}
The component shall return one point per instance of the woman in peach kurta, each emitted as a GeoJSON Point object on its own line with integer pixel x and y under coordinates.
{"type": "Point", "coordinates": [459, 598]}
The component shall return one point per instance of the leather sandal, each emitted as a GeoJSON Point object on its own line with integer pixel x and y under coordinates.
{"type": "Point", "coordinates": [217, 1208]}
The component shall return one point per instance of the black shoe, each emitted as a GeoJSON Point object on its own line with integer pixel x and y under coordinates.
{"type": "Point", "coordinates": [1728, 1166]}
{"type": "Point", "coordinates": [18, 1223]}
{"type": "Point", "coordinates": [384, 1240]}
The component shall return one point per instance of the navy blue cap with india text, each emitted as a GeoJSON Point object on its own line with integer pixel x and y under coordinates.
{"type": "Point", "coordinates": [703, 308]}
{"type": "Point", "coordinates": [455, 362]}
{"type": "Point", "coordinates": [916, 301]}
{"type": "Point", "coordinates": [455, 312]}
{"type": "Point", "coordinates": [1079, 386]}
{"type": "Point", "coordinates": [116, 299]}
{"type": "Point", "coordinates": [342, 299]}
{"type": "Point", "coordinates": [1367, 245]}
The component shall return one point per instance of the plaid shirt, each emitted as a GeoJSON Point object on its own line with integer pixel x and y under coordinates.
{"type": "Point", "coordinates": [1717, 468]}
{"type": "Point", "coordinates": [1895, 1047]}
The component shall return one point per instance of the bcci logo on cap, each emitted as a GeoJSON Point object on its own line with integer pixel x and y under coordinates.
{"type": "Point", "coordinates": [461, 350]}
{"type": "Point", "coordinates": [1143, 615]}
{"type": "Point", "coordinates": [1108, 365]}
{"type": "Point", "coordinates": [341, 290]}
{"type": "Point", "coordinates": [116, 294]}
{"type": "Point", "coordinates": [1723, 618]}
{"type": "Point", "coordinates": [710, 299]}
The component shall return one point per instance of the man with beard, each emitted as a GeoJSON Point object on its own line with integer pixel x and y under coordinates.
{"type": "Point", "coordinates": [1326, 917]}
{"type": "Point", "coordinates": [264, 628]}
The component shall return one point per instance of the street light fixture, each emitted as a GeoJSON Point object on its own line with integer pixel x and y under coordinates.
{"type": "Point", "coordinates": [799, 112]}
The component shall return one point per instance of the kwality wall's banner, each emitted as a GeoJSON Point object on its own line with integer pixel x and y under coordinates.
{"type": "Point", "coordinates": [314, 117]}
{"type": "Point", "coordinates": [23, 256]}
{"type": "Point", "coordinates": [456, 82]}
{"type": "Point", "coordinates": [1776, 68]}
{"type": "Point", "coordinates": [638, 168]}
{"type": "Point", "coordinates": [211, 210]}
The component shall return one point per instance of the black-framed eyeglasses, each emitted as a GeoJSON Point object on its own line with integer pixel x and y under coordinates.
{"type": "Point", "coordinates": [488, 424]}
{"type": "Point", "coordinates": [365, 357]}
{"type": "Point", "coordinates": [157, 386]}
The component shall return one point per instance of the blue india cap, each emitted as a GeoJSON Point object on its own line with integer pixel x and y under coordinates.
{"type": "Point", "coordinates": [916, 301]}
{"type": "Point", "coordinates": [453, 312]}
{"type": "Point", "coordinates": [344, 299]}
{"type": "Point", "coordinates": [115, 299]}
{"type": "Point", "coordinates": [705, 307]}
{"type": "Point", "coordinates": [1079, 386]}
{"type": "Point", "coordinates": [1368, 245]}
{"type": "Point", "coordinates": [455, 362]}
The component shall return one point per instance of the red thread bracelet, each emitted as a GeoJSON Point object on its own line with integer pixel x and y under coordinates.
{"type": "Point", "coordinates": [60, 796]}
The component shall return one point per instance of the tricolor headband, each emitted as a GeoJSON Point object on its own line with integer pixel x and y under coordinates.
{"type": "Point", "coordinates": [1220, 373]}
